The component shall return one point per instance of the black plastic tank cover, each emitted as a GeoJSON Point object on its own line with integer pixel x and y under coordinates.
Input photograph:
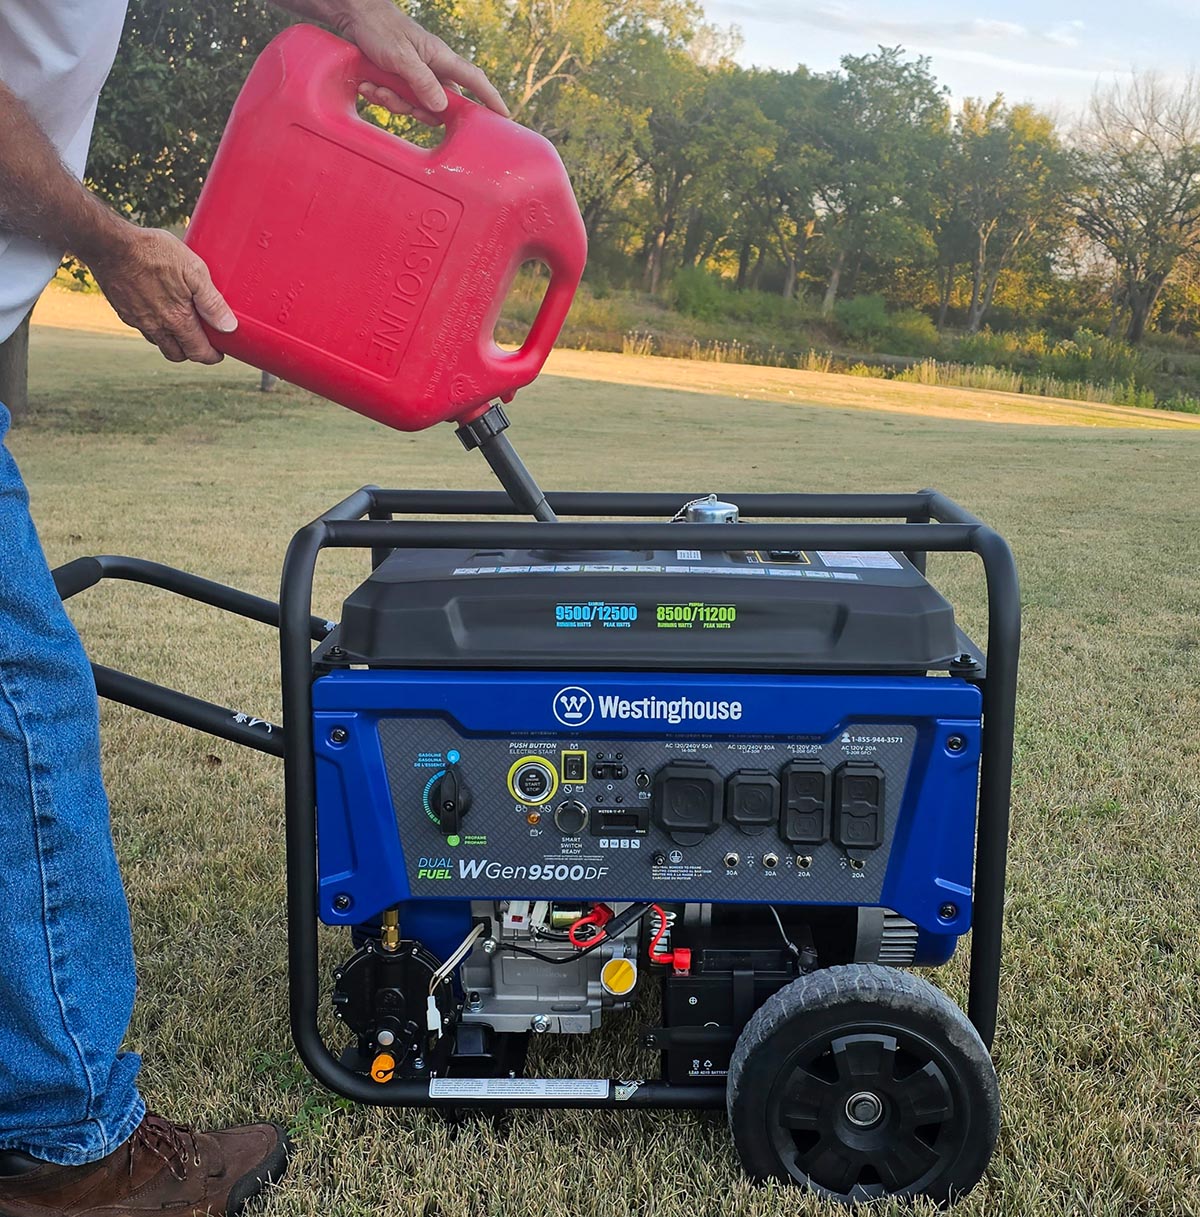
{"type": "Point", "coordinates": [674, 610]}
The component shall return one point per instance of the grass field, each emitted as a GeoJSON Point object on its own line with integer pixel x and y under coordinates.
{"type": "Point", "coordinates": [1099, 1043]}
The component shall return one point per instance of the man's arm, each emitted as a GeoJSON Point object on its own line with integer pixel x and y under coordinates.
{"type": "Point", "coordinates": [153, 281]}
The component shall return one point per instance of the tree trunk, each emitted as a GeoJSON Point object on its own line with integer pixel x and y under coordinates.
{"type": "Point", "coordinates": [1142, 300]}
{"type": "Point", "coordinates": [855, 271]}
{"type": "Point", "coordinates": [831, 289]}
{"type": "Point", "coordinates": [978, 271]}
{"type": "Point", "coordinates": [974, 313]}
{"type": "Point", "coordinates": [743, 265]}
{"type": "Point", "coordinates": [980, 308]}
{"type": "Point", "coordinates": [693, 239]}
{"type": "Point", "coordinates": [653, 254]}
{"type": "Point", "coordinates": [592, 214]}
{"type": "Point", "coordinates": [14, 370]}
{"type": "Point", "coordinates": [756, 269]}
{"type": "Point", "coordinates": [797, 256]}
{"type": "Point", "coordinates": [947, 292]}
{"type": "Point", "coordinates": [654, 265]}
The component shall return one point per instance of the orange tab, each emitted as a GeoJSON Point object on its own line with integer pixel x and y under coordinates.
{"type": "Point", "coordinates": [383, 1067]}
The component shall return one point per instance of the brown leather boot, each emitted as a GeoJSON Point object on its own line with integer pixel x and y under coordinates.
{"type": "Point", "coordinates": [162, 1168]}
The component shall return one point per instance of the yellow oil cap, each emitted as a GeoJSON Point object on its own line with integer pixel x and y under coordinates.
{"type": "Point", "coordinates": [383, 1067]}
{"type": "Point", "coordinates": [618, 976]}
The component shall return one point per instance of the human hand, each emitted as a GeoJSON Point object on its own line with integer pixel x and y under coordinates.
{"type": "Point", "coordinates": [395, 42]}
{"type": "Point", "coordinates": [161, 288]}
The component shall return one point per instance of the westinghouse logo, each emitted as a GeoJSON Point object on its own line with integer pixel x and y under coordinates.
{"type": "Point", "coordinates": [573, 706]}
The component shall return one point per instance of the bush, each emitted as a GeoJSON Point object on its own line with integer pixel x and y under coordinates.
{"type": "Point", "coordinates": [998, 350]}
{"type": "Point", "coordinates": [910, 332]}
{"type": "Point", "coordinates": [1085, 356]}
{"type": "Point", "coordinates": [1189, 405]}
{"type": "Point", "coordinates": [768, 310]}
{"type": "Point", "coordinates": [865, 322]}
{"type": "Point", "coordinates": [696, 293]}
{"type": "Point", "coordinates": [1091, 356]}
{"type": "Point", "coordinates": [863, 318]}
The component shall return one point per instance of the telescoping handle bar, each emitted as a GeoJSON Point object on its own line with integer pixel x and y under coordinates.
{"type": "Point", "coordinates": [221, 721]}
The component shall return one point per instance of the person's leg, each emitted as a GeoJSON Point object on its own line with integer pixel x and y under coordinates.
{"type": "Point", "coordinates": [68, 1095]}
{"type": "Point", "coordinates": [75, 1138]}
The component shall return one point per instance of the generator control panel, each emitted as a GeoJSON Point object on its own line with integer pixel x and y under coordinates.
{"type": "Point", "coordinates": [790, 789]}
{"type": "Point", "coordinates": [725, 819]}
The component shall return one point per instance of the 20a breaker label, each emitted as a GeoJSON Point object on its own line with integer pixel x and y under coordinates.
{"type": "Point", "coordinates": [697, 613]}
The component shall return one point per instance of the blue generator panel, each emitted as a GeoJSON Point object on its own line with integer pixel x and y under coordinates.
{"type": "Point", "coordinates": [817, 789]}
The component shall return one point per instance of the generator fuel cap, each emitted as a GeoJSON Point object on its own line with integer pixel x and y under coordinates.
{"type": "Point", "coordinates": [709, 510]}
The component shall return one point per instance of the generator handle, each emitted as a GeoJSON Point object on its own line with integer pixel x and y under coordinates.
{"type": "Point", "coordinates": [221, 721]}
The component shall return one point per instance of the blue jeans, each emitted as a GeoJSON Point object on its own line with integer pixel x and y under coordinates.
{"type": "Point", "coordinates": [67, 1093]}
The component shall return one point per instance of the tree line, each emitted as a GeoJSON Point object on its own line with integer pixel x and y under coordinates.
{"type": "Point", "coordinates": [862, 180]}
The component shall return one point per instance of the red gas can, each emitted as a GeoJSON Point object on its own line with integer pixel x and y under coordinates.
{"type": "Point", "coordinates": [366, 268]}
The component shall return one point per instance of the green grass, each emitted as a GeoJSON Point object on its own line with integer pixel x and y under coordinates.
{"type": "Point", "coordinates": [1099, 1041]}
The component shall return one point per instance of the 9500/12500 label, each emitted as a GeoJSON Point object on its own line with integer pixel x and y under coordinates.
{"type": "Point", "coordinates": [697, 613]}
{"type": "Point", "coordinates": [590, 613]}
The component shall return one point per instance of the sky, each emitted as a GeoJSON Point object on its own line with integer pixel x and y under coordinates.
{"type": "Point", "coordinates": [1051, 53]}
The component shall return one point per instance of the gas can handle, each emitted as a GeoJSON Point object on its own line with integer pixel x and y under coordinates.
{"type": "Point", "coordinates": [527, 360]}
{"type": "Point", "coordinates": [359, 68]}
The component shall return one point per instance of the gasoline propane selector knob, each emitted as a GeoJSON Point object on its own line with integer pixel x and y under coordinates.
{"type": "Point", "coordinates": [450, 800]}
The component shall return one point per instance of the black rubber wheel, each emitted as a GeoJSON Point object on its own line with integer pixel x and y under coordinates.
{"type": "Point", "coordinates": [863, 1081]}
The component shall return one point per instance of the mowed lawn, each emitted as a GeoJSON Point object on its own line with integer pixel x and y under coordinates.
{"type": "Point", "coordinates": [1099, 1042]}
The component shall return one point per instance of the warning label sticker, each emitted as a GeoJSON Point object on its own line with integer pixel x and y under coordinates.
{"type": "Point", "coordinates": [865, 558]}
{"type": "Point", "coordinates": [518, 1088]}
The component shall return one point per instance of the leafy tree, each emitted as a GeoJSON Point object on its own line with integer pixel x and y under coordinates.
{"type": "Point", "coordinates": [178, 70]}
{"type": "Point", "coordinates": [681, 124]}
{"type": "Point", "coordinates": [1011, 177]}
{"type": "Point", "coordinates": [603, 146]}
{"type": "Point", "coordinates": [882, 123]}
{"type": "Point", "coordinates": [739, 146]}
{"type": "Point", "coordinates": [1140, 196]}
{"type": "Point", "coordinates": [789, 189]}
{"type": "Point", "coordinates": [858, 181]}
{"type": "Point", "coordinates": [601, 122]}
{"type": "Point", "coordinates": [532, 48]}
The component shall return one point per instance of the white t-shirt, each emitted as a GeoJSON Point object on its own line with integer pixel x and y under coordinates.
{"type": "Point", "coordinates": [55, 56]}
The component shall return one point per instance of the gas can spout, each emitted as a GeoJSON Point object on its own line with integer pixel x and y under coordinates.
{"type": "Point", "coordinates": [487, 434]}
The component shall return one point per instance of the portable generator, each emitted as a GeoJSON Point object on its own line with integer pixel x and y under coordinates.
{"type": "Point", "coordinates": [735, 750]}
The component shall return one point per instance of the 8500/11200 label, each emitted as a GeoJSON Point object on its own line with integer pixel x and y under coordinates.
{"type": "Point", "coordinates": [595, 612]}
{"type": "Point", "coordinates": [687, 616]}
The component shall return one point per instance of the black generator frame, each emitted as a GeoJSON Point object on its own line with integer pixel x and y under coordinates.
{"type": "Point", "coordinates": [932, 523]}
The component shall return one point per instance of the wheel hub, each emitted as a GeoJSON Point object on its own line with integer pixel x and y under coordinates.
{"type": "Point", "coordinates": [864, 1109]}
{"type": "Point", "coordinates": [866, 1113]}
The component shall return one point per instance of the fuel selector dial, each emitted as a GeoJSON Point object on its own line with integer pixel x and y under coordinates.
{"type": "Point", "coordinates": [447, 800]}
